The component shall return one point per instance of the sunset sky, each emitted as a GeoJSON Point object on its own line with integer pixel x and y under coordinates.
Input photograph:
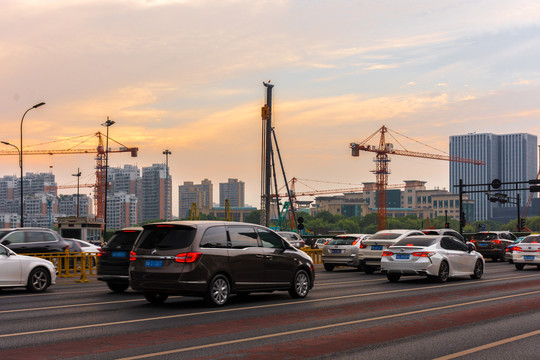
{"type": "Point", "coordinates": [187, 75]}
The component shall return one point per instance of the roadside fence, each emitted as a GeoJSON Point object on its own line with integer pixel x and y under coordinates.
{"type": "Point", "coordinates": [72, 264]}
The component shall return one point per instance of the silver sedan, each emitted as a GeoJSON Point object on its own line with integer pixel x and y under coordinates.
{"type": "Point", "coordinates": [437, 257]}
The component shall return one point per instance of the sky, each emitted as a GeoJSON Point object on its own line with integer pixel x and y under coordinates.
{"type": "Point", "coordinates": [187, 76]}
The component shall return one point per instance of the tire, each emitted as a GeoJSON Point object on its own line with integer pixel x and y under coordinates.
{"type": "Point", "coordinates": [369, 269]}
{"type": "Point", "coordinates": [301, 285]}
{"type": "Point", "coordinates": [393, 277]}
{"type": "Point", "coordinates": [218, 292]}
{"type": "Point", "coordinates": [478, 270]}
{"type": "Point", "coordinates": [38, 280]}
{"type": "Point", "coordinates": [118, 286]}
{"type": "Point", "coordinates": [444, 272]}
{"type": "Point", "coordinates": [328, 267]}
{"type": "Point", "coordinates": [519, 266]}
{"type": "Point", "coordinates": [156, 298]}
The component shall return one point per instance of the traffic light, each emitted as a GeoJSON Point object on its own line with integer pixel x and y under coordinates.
{"type": "Point", "coordinates": [300, 225]}
{"type": "Point", "coordinates": [447, 225]}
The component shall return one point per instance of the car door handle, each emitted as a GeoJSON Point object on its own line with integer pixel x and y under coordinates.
{"type": "Point", "coordinates": [259, 256]}
{"type": "Point", "coordinates": [269, 257]}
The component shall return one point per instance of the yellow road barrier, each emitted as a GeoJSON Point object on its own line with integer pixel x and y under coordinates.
{"type": "Point", "coordinates": [72, 264]}
{"type": "Point", "coordinates": [316, 254]}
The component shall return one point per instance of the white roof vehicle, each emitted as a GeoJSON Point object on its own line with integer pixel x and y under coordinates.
{"type": "Point", "coordinates": [371, 250]}
{"type": "Point", "coordinates": [436, 256]}
{"type": "Point", "coordinates": [34, 273]}
{"type": "Point", "coordinates": [527, 252]}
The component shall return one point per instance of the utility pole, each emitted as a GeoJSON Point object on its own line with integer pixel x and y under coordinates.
{"type": "Point", "coordinates": [168, 195]}
{"type": "Point", "coordinates": [266, 171]}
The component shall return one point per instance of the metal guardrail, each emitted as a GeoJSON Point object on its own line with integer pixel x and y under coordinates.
{"type": "Point", "coordinates": [72, 264]}
{"type": "Point", "coordinates": [316, 254]}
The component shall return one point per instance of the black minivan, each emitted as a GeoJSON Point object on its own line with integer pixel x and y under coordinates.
{"type": "Point", "coordinates": [215, 259]}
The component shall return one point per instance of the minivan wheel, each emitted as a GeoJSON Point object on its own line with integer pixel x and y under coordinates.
{"type": "Point", "coordinates": [218, 292]}
{"type": "Point", "coordinates": [328, 267]}
{"type": "Point", "coordinates": [38, 280]}
{"type": "Point", "coordinates": [118, 286]}
{"type": "Point", "coordinates": [300, 286]}
{"type": "Point", "coordinates": [156, 298]}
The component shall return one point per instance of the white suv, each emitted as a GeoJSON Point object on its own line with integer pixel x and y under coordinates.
{"type": "Point", "coordinates": [371, 249]}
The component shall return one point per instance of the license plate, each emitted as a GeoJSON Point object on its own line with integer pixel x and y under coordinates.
{"type": "Point", "coordinates": [153, 263]}
{"type": "Point", "coordinates": [119, 254]}
{"type": "Point", "coordinates": [528, 257]}
{"type": "Point", "coordinates": [376, 247]}
{"type": "Point", "coordinates": [336, 251]}
{"type": "Point", "coordinates": [482, 244]}
{"type": "Point", "coordinates": [402, 256]}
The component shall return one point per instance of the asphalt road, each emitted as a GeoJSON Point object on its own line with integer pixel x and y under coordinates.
{"type": "Point", "coordinates": [347, 315]}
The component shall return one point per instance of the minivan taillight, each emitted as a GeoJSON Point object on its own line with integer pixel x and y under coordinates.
{"type": "Point", "coordinates": [132, 256]}
{"type": "Point", "coordinates": [189, 257]}
{"type": "Point", "coordinates": [102, 252]}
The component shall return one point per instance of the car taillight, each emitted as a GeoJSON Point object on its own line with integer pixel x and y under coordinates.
{"type": "Point", "coordinates": [355, 242]}
{"type": "Point", "coordinates": [387, 253]}
{"type": "Point", "coordinates": [497, 241]}
{"type": "Point", "coordinates": [326, 242]}
{"type": "Point", "coordinates": [132, 256]}
{"type": "Point", "coordinates": [473, 241]}
{"type": "Point", "coordinates": [101, 252]}
{"type": "Point", "coordinates": [423, 253]}
{"type": "Point", "coordinates": [363, 246]}
{"type": "Point", "coordinates": [517, 248]}
{"type": "Point", "coordinates": [189, 257]}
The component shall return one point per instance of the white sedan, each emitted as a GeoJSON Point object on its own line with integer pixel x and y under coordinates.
{"type": "Point", "coordinates": [25, 271]}
{"type": "Point", "coordinates": [527, 252]}
{"type": "Point", "coordinates": [437, 257]}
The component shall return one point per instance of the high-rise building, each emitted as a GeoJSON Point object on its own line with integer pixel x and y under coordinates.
{"type": "Point", "coordinates": [67, 205]}
{"type": "Point", "coordinates": [155, 191]}
{"type": "Point", "coordinates": [122, 210]}
{"type": "Point", "coordinates": [233, 190]}
{"type": "Point", "coordinates": [200, 194]}
{"type": "Point", "coordinates": [508, 157]}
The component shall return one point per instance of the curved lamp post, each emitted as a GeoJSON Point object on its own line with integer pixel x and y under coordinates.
{"type": "Point", "coordinates": [21, 160]}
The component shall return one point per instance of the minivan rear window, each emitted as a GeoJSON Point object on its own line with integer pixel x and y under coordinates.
{"type": "Point", "coordinates": [165, 238]}
{"type": "Point", "coordinates": [416, 241]}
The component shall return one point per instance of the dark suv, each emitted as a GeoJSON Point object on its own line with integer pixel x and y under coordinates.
{"type": "Point", "coordinates": [493, 244]}
{"type": "Point", "coordinates": [445, 231]}
{"type": "Point", "coordinates": [113, 264]}
{"type": "Point", "coordinates": [215, 259]}
{"type": "Point", "coordinates": [33, 240]}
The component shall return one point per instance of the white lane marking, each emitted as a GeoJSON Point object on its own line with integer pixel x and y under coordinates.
{"type": "Point", "coordinates": [323, 327]}
{"type": "Point", "coordinates": [487, 346]}
{"type": "Point", "coordinates": [250, 307]}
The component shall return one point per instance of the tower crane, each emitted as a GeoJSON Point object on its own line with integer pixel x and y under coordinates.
{"type": "Point", "coordinates": [382, 151]}
{"type": "Point", "coordinates": [100, 158]}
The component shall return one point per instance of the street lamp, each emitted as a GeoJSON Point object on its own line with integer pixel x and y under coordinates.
{"type": "Point", "coordinates": [168, 187]}
{"type": "Point", "coordinates": [107, 124]}
{"type": "Point", "coordinates": [19, 151]}
{"type": "Point", "coordinates": [21, 160]}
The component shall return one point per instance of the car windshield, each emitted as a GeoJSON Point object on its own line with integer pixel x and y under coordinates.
{"type": "Point", "coordinates": [485, 236]}
{"type": "Point", "coordinates": [385, 236]}
{"type": "Point", "coordinates": [167, 237]}
{"type": "Point", "coordinates": [531, 240]}
{"type": "Point", "coordinates": [343, 241]}
{"type": "Point", "coordinates": [416, 241]}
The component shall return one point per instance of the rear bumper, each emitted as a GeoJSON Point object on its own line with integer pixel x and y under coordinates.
{"type": "Point", "coordinates": [423, 268]}
{"type": "Point", "coordinates": [341, 260]}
